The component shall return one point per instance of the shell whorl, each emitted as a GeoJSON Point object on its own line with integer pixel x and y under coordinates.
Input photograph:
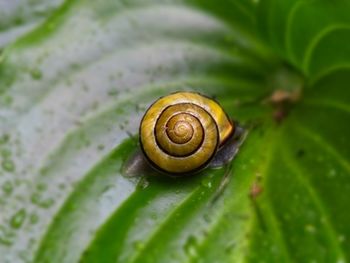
{"type": "Point", "coordinates": [180, 133]}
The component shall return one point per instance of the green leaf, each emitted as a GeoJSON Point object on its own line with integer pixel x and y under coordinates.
{"type": "Point", "coordinates": [74, 88]}
{"type": "Point", "coordinates": [19, 17]}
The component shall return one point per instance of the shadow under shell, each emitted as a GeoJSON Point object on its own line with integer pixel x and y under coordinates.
{"type": "Point", "coordinates": [137, 165]}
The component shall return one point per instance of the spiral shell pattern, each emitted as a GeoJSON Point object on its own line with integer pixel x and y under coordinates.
{"type": "Point", "coordinates": [180, 133]}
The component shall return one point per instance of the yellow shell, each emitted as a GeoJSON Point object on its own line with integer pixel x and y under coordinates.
{"type": "Point", "coordinates": [180, 133]}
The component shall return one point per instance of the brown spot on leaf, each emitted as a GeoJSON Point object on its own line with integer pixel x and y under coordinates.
{"type": "Point", "coordinates": [255, 190]}
{"type": "Point", "coordinates": [284, 96]}
{"type": "Point", "coordinates": [282, 101]}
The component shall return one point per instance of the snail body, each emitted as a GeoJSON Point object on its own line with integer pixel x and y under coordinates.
{"type": "Point", "coordinates": [181, 133]}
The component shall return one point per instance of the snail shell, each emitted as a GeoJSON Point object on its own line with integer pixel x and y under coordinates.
{"type": "Point", "coordinates": [181, 133]}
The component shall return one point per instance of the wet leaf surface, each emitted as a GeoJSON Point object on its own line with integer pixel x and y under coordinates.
{"type": "Point", "coordinates": [75, 79]}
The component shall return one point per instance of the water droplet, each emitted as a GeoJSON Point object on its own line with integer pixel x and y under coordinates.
{"type": "Point", "coordinates": [36, 74]}
{"type": "Point", "coordinates": [191, 246]}
{"type": "Point", "coordinates": [5, 153]}
{"type": "Point", "coordinates": [34, 218]}
{"type": "Point", "coordinates": [100, 147]}
{"type": "Point", "coordinates": [6, 236]}
{"type": "Point", "coordinates": [113, 92]}
{"type": "Point", "coordinates": [7, 188]}
{"type": "Point", "coordinates": [107, 188]}
{"type": "Point", "coordinates": [37, 200]}
{"type": "Point", "coordinates": [341, 238]}
{"type": "Point", "coordinates": [310, 228]}
{"type": "Point", "coordinates": [4, 139]}
{"type": "Point", "coordinates": [8, 165]}
{"type": "Point", "coordinates": [206, 182]}
{"type": "Point", "coordinates": [143, 183]}
{"type": "Point", "coordinates": [230, 247]}
{"type": "Point", "coordinates": [7, 100]}
{"type": "Point", "coordinates": [139, 245]}
{"type": "Point", "coordinates": [18, 219]}
{"type": "Point", "coordinates": [323, 220]}
{"type": "Point", "coordinates": [207, 218]}
{"type": "Point", "coordinates": [332, 173]}
{"type": "Point", "coordinates": [24, 255]}
{"type": "Point", "coordinates": [41, 187]}
{"type": "Point", "coordinates": [154, 216]}
{"type": "Point", "coordinates": [47, 203]}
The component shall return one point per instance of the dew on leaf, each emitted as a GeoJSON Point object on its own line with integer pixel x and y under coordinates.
{"type": "Point", "coordinates": [332, 173]}
{"type": "Point", "coordinates": [154, 216]}
{"type": "Point", "coordinates": [206, 182]}
{"type": "Point", "coordinates": [107, 188]}
{"type": "Point", "coordinates": [5, 241]}
{"type": "Point", "coordinates": [4, 138]}
{"type": "Point", "coordinates": [207, 218]}
{"type": "Point", "coordinates": [35, 198]}
{"type": "Point", "coordinates": [143, 183]}
{"type": "Point", "coordinates": [47, 203]}
{"type": "Point", "coordinates": [341, 238]}
{"type": "Point", "coordinates": [43, 203]}
{"type": "Point", "coordinates": [310, 228]}
{"type": "Point", "coordinates": [230, 247]}
{"type": "Point", "coordinates": [100, 147]}
{"type": "Point", "coordinates": [7, 188]}
{"type": "Point", "coordinates": [191, 246]}
{"type": "Point", "coordinates": [17, 219]}
{"type": "Point", "coordinates": [36, 74]}
{"type": "Point", "coordinates": [139, 245]}
{"type": "Point", "coordinates": [113, 92]}
{"type": "Point", "coordinates": [6, 236]}
{"type": "Point", "coordinates": [323, 220]}
{"type": "Point", "coordinates": [75, 66]}
{"type": "Point", "coordinates": [34, 218]}
{"type": "Point", "coordinates": [7, 100]}
{"type": "Point", "coordinates": [8, 165]}
{"type": "Point", "coordinates": [24, 255]}
{"type": "Point", "coordinates": [5, 153]}
{"type": "Point", "coordinates": [41, 186]}
{"type": "Point", "coordinates": [95, 105]}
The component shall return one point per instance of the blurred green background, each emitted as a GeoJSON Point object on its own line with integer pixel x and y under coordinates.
{"type": "Point", "coordinates": [76, 77]}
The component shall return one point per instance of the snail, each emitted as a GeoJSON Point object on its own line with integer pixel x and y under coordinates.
{"type": "Point", "coordinates": [185, 132]}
